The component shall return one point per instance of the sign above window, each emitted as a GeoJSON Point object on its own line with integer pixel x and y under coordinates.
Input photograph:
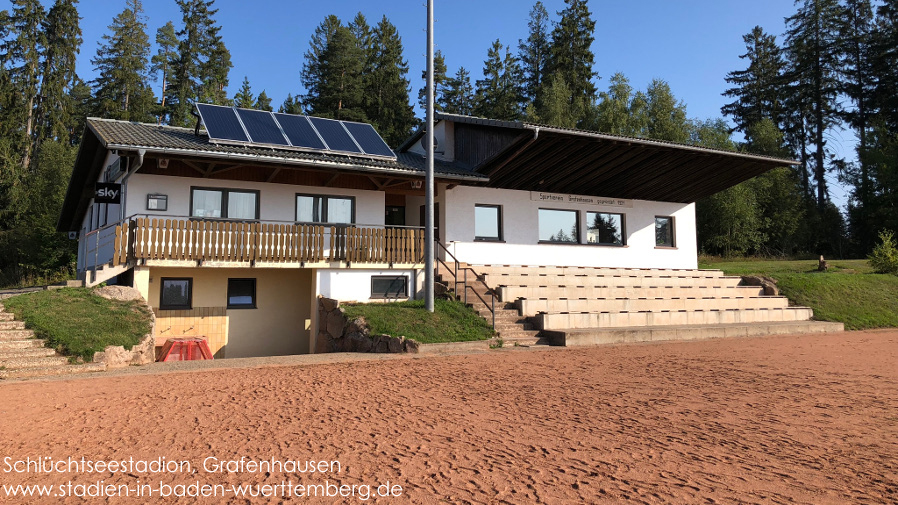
{"type": "Point", "coordinates": [540, 196]}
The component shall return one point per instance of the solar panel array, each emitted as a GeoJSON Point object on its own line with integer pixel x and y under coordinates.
{"type": "Point", "coordinates": [230, 125]}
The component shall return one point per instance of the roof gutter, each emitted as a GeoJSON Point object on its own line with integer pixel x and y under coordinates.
{"type": "Point", "coordinates": [277, 159]}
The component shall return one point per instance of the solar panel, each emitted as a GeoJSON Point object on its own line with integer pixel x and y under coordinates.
{"type": "Point", "coordinates": [334, 135]}
{"type": "Point", "coordinates": [300, 131]}
{"type": "Point", "coordinates": [230, 125]}
{"type": "Point", "coordinates": [365, 135]}
{"type": "Point", "coordinates": [262, 127]}
{"type": "Point", "coordinates": [221, 123]}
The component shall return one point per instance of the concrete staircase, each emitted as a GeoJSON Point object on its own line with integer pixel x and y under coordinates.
{"type": "Point", "coordinates": [587, 306]}
{"type": "Point", "coordinates": [102, 273]}
{"type": "Point", "coordinates": [24, 356]}
{"type": "Point", "coordinates": [513, 328]}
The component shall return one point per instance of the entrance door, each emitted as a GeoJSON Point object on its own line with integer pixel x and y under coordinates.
{"type": "Point", "coordinates": [395, 215]}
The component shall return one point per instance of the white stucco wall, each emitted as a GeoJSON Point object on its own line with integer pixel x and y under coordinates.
{"type": "Point", "coordinates": [521, 232]}
{"type": "Point", "coordinates": [277, 202]}
{"type": "Point", "coordinates": [351, 285]}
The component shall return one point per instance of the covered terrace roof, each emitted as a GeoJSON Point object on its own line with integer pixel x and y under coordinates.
{"type": "Point", "coordinates": [538, 157]}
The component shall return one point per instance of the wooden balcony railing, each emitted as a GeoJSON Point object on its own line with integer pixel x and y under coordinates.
{"type": "Point", "coordinates": [188, 239]}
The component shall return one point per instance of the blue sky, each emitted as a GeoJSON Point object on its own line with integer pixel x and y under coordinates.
{"type": "Point", "coordinates": [692, 44]}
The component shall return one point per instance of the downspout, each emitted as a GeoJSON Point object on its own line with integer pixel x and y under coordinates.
{"type": "Point", "coordinates": [140, 155]}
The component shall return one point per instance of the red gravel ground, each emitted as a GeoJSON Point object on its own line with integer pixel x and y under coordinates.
{"type": "Point", "coordinates": [792, 419]}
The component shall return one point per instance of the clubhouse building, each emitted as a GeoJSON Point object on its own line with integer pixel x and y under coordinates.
{"type": "Point", "coordinates": [233, 233]}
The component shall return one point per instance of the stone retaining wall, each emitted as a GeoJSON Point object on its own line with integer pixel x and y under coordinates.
{"type": "Point", "coordinates": [142, 353]}
{"type": "Point", "coordinates": [336, 333]}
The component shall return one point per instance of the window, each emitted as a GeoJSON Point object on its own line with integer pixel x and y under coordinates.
{"type": "Point", "coordinates": [325, 209]}
{"type": "Point", "coordinates": [241, 293]}
{"type": "Point", "coordinates": [388, 286]}
{"type": "Point", "coordinates": [664, 231]}
{"type": "Point", "coordinates": [605, 229]}
{"type": "Point", "coordinates": [224, 203]}
{"type": "Point", "coordinates": [176, 294]}
{"type": "Point", "coordinates": [559, 226]}
{"type": "Point", "coordinates": [487, 222]}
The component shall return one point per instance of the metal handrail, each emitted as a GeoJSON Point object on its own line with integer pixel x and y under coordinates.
{"type": "Point", "coordinates": [491, 305]}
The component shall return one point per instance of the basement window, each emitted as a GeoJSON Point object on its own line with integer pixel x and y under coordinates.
{"type": "Point", "coordinates": [176, 294]}
{"type": "Point", "coordinates": [664, 231]}
{"type": "Point", "coordinates": [241, 293]}
{"type": "Point", "coordinates": [389, 286]}
{"type": "Point", "coordinates": [605, 229]}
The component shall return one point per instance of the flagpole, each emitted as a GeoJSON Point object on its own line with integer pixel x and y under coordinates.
{"type": "Point", "coordinates": [428, 184]}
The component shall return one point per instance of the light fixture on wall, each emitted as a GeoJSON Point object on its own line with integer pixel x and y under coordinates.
{"type": "Point", "coordinates": [162, 163]}
{"type": "Point", "coordinates": [417, 184]}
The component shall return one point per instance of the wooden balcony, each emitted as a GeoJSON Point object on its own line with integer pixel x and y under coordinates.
{"type": "Point", "coordinates": [184, 239]}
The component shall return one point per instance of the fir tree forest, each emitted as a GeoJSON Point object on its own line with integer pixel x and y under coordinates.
{"type": "Point", "coordinates": [831, 65]}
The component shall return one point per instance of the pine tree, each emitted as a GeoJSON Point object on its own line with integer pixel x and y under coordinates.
{"type": "Point", "coordinates": [459, 95]}
{"type": "Point", "coordinates": [534, 53]}
{"type": "Point", "coordinates": [440, 84]}
{"type": "Point", "coordinates": [570, 53]}
{"type": "Point", "coordinates": [387, 87]}
{"type": "Point", "coordinates": [167, 41]}
{"type": "Point", "coordinates": [884, 63]}
{"type": "Point", "coordinates": [244, 97]}
{"type": "Point", "coordinates": [498, 94]}
{"type": "Point", "coordinates": [81, 99]}
{"type": "Point", "coordinates": [215, 69]}
{"type": "Point", "coordinates": [263, 102]}
{"type": "Point", "coordinates": [365, 39]}
{"type": "Point", "coordinates": [857, 79]}
{"type": "Point", "coordinates": [63, 45]}
{"type": "Point", "coordinates": [758, 90]}
{"type": "Point", "coordinates": [291, 105]}
{"type": "Point", "coordinates": [122, 90]}
{"type": "Point", "coordinates": [340, 90]}
{"type": "Point", "coordinates": [812, 41]}
{"type": "Point", "coordinates": [311, 74]}
{"type": "Point", "coordinates": [22, 54]}
{"type": "Point", "coordinates": [200, 70]}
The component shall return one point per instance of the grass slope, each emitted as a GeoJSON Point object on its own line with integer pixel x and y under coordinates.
{"type": "Point", "coordinates": [450, 322]}
{"type": "Point", "coordinates": [77, 323]}
{"type": "Point", "coordinates": [849, 292]}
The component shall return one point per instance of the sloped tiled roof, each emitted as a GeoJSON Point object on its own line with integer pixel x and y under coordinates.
{"type": "Point", "coordinates": [159, 138]}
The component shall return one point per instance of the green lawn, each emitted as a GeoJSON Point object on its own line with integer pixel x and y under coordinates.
{"type": "Point", "coordinates": [849, 292]}
{"type": "Point", "coordinates": [450, 322]}
{"type": "Point", "coordinates": [77, 323]}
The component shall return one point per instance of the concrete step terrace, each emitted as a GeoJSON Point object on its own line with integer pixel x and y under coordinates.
{"type": "Point", "coordinates": [531, 307]}
{"type": "Point", "coordinates": [557, 321]}
{"type": "Point", "coordinates": [600, 336]}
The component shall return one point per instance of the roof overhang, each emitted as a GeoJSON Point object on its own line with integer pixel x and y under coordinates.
{"type": "Point", "coordinates": [560, 160]}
